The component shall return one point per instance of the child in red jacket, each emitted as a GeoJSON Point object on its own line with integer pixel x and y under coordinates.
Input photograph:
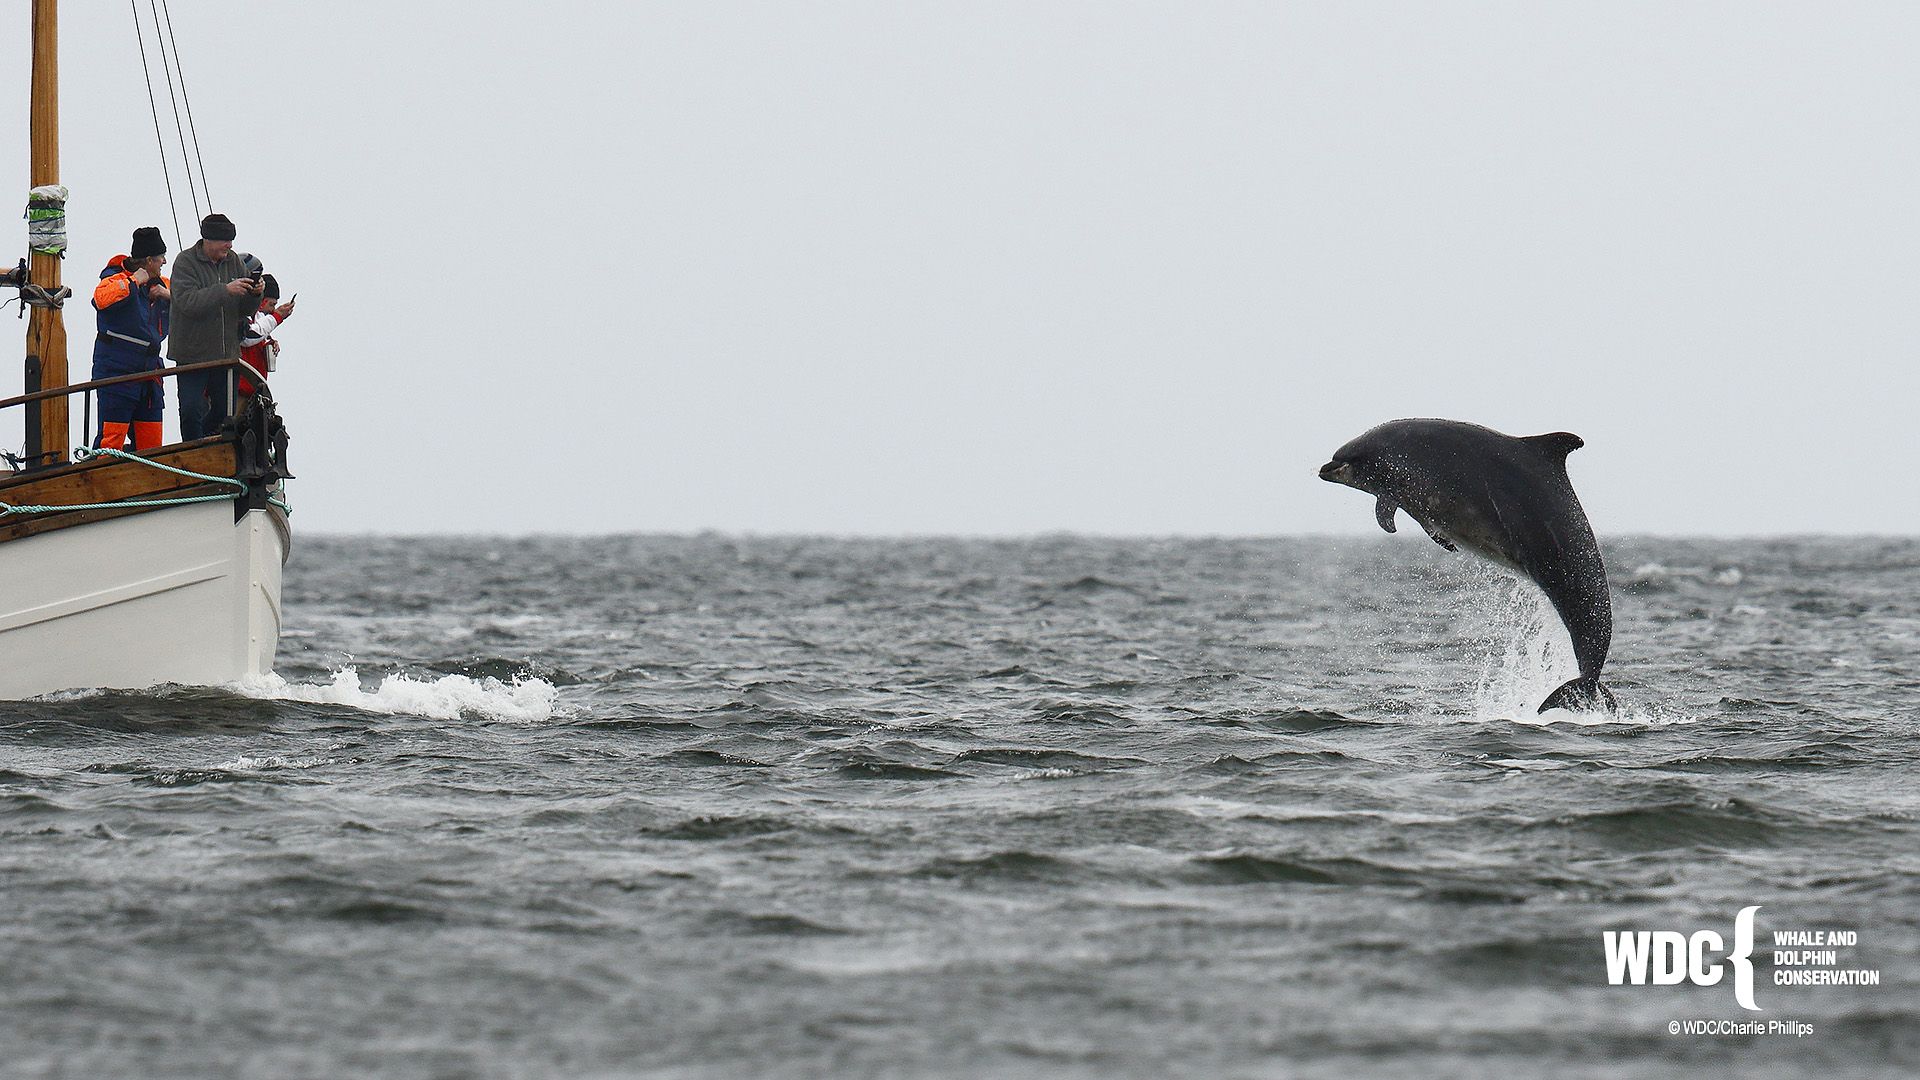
{"type": "Point", "coordinates": [257, 347]}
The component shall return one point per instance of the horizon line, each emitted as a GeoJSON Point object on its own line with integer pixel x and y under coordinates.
{"type": "Point", "coordinates": [756, 534]}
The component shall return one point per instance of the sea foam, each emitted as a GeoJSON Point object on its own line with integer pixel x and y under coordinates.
{"type": "Point", "coordinates": [449, 697]}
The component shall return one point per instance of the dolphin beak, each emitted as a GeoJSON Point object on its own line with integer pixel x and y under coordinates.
{"type": "Point", "coordinates": [1336, 472]}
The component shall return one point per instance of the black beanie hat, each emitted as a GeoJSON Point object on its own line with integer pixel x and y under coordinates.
{"type": "Point", "coordinates": [272, 290]}
{"type": "Point", "coordinates": [217, 227]}
{"type": "Point", "coordinates": [147, 242]}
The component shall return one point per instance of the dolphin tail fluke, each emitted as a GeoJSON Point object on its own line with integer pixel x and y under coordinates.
{"type": "Point", "coordinates": [1582, 695]}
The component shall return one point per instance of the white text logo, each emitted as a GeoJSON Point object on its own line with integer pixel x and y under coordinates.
{"type": "Point", "coordinates": [1669, 957]}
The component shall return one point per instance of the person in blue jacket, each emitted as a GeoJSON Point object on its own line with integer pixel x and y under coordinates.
{"type": "Point", "coordinates": [131, 303]}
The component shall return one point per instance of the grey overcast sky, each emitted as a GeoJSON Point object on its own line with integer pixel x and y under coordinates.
{"type": "Point", "coordinates": [1013, 267]}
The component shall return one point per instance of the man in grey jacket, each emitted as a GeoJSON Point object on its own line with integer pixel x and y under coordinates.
{"type": "Point", "coordinates": [212, 295]}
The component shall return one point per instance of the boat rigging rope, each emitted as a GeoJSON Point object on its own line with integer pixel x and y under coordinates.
{"type": "Point", "coordinates": [182, 68]}
{"type": "Point", "coordinates": [82, 454]}
{"type": "Point", "coordinates": [170, 66]}
{"type": "Point", "coordinates": [154, 108]}
{"type": "Point", "coordinates": [166, 67]}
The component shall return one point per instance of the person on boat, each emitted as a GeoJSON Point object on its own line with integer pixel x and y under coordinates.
{"type": "Point", "coordinates": [213, 293]}
{"type": "Point", "coordinates": [130, 306]}
{"type": "Point", "coordinates": [257, 346]}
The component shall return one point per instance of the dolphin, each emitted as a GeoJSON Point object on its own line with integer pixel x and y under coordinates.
{"type": "Point", "coordinates": [1507, 500]}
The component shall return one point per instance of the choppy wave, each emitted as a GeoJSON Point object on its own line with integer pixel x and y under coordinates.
{"type": "Point", "coordinates": [930, 808]}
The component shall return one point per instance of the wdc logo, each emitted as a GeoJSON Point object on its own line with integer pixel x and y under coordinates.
{"type": "Point", "coordinates": [1668, 957]}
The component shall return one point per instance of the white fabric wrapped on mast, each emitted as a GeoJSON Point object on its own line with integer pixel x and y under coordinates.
{"type": "Point", "coordinates": [47, 220]}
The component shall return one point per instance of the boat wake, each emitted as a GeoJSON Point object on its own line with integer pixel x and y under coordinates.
{"type": "Point", "coordinates": [449, 697]}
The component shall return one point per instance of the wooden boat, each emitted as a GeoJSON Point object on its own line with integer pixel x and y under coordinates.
{"type": "Point", "coordinates": [122, 569]}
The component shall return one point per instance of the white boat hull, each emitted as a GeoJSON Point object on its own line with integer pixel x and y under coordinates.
{"type": "Point", "coordinates": [178, 595]}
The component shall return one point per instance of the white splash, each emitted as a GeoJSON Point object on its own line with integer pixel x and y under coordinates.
{"type": "Point", "coordinates": [1529, 656]}
{"type": "Point", "coordinates": [1632, 713]}
{"type": "Point", "coordinates": [245, 763]}
{"type": "Point", "coordinates": [449, 697]}
{"type": "Point", "coordinates": [80, 694]}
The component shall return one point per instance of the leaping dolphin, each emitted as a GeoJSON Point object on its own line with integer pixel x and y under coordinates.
{"type": "Point", "coordinates": [1507, 500]}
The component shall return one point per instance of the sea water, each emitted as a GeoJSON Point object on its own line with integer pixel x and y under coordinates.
{"type": "Point", "coordinates": [724, 807]}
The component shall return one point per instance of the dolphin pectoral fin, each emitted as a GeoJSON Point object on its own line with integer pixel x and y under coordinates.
{"type": "Point", "coordinates": [1383, 513]}
{"type": "Point", "coordinates": [1582, 695]}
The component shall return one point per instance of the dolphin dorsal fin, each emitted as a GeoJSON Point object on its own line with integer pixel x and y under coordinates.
{"type": "Point", "coordinates": [1557, 444]}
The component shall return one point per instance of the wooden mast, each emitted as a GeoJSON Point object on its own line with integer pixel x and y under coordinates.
{"type": "Point", "coordinates": [46, 336]}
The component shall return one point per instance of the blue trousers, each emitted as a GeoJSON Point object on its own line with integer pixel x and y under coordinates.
{"type": "Point", "coordinates": [205, 404]}
{"type": "Point", "coordinates": [129, 403]}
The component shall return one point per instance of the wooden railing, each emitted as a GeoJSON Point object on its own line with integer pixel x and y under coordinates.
{"type": "Point", "coordinates": [59, 454]}
{"type": "Point", "coordinates": [81, 388]}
